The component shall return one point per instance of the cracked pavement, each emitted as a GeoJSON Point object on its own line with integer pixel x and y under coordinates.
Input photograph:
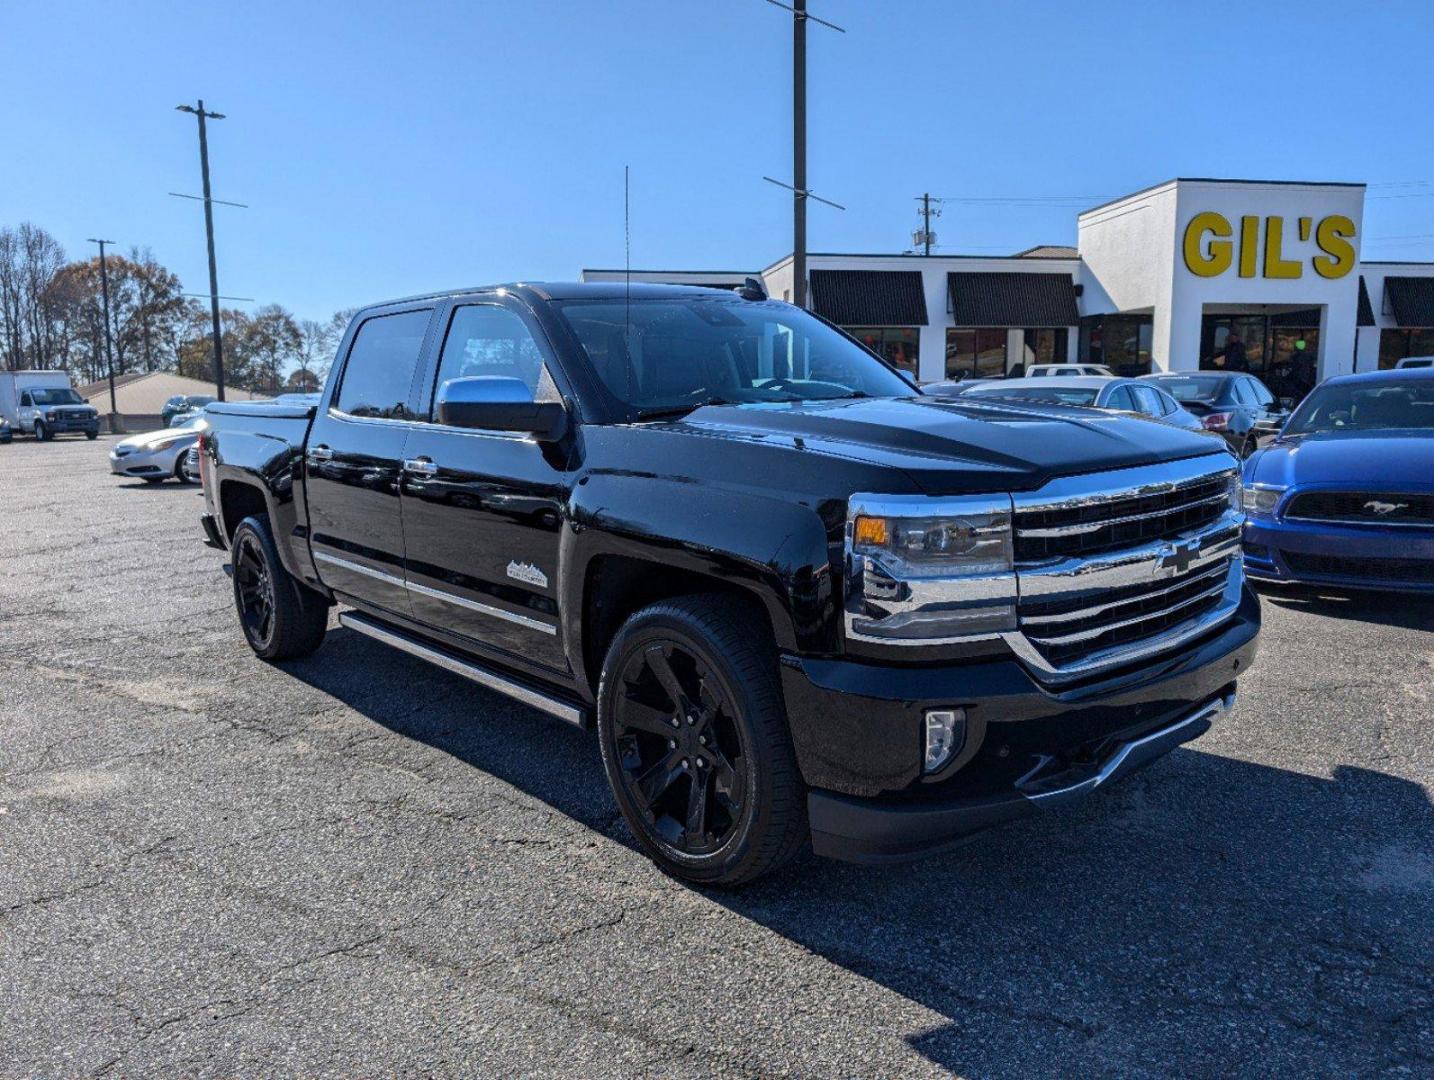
{"type": "Point", "coordinates": [360, 865]}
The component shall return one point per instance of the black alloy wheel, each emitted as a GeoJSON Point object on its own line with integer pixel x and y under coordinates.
{"type": "Point", "coordinates": [254, 591]}
{"type": "Point", "coordinates": [282, 617]}
{"type": "Point", "coordinates": [695, 742]}
{"type": "Point", "coordinates": [680, 751]}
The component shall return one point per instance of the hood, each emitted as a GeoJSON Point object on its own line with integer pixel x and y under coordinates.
{"type": "Point", "coordinates": [150, 439]}
{"type": "Point", "coordinates": [1363, 460]}
{"type": "Point", "coordinates": [951, 446]}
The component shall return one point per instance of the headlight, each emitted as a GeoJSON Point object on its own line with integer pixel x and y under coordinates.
{"type": "Point", "coordinates": [924, 570]}
{"type": "Point", "coordinates": [978, 543]}
{"type": "Point", "coordinates": [167, 444]}
{"type": "Point", "coordinates": [1237, 492]}
{"type": "Point", "coordinates": [1262, 499]}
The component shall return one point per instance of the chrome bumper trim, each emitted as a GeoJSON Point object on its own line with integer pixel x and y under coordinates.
{"type": "Point", "coordinates": [1130, 756]}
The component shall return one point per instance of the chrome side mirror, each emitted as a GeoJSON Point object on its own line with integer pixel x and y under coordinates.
{"type": "Point", "coordinates": [499, 403]}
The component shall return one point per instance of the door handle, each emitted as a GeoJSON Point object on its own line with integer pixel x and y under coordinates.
{"type": "Point", "coordinates": [423, 466]}
{"type": "Point", "coordinates": [320, 453]}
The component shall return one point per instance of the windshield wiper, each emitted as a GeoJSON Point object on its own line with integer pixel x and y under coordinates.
{"type": "Point", "coordinates": [680, 410]}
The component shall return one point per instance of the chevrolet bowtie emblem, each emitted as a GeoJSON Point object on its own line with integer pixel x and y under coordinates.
{"type": "Point", "coordinates": [1176, 558]}
{"type": "Point", "coordinates": [1384, 509]}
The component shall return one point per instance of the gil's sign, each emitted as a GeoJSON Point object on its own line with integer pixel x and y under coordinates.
{"type": "Point", "coordinates": [1210, 249]}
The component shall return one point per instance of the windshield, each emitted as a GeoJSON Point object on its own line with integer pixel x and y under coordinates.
{"type": "Point", "coordinates": [668, 356]}
{"type": "Point", "coordinates": [1204, 388]}
{"type": "Point", "coordinates": [1054, 395]}
{"type": "Point", "coordinates": [1406, 403]}
{"type": "Point", "coordinates": [61, 395]}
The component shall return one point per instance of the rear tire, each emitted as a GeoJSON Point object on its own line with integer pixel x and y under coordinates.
{"type": "Point", "coordinates": [695, 742]}
{"type": "Point", "coordinates": [282, 619]}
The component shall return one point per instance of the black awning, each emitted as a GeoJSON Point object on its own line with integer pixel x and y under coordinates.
{"type": "Point", "coordinates": [1411, 299]}
{"type": "Point", "coordinates": [1012, 299]}
{"type": "Point", "coordinates": [1365, 317]}
{"type": "Point", "coordinates": [869, 297]}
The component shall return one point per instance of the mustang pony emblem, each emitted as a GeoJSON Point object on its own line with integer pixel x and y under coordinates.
{"type": "Point", "coordinates": [1384, 509]}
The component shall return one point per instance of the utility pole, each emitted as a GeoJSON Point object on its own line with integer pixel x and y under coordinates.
{"type": "Point", "coordinates": [924, 237]}
{"type": "Point", "coordinates": [209, 236]}
{"type": "Point", "coordinates": [799, 152]}
{"type": "Point", "coordinates": [798, 186]}
{"type": "Point", "coordinates": [109, 348]}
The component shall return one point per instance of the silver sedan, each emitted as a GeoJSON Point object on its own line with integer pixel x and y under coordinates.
{"type": "Point", "coordinates": [1095, 391]}
{"type": "Point", "coordinates": [157, 456]}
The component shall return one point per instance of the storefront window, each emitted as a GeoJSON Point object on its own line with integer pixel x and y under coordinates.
{"type": "Point", "coordinates": [1122, 342]}
{"type": "Point", "coordinates": [1395, 345]}
{"type": "Point", "coordinates": [978, 352]}
{"type": "Point", "coordinates": [900, 346]}
{"type": "Point", "coordinates": [1043, 345]}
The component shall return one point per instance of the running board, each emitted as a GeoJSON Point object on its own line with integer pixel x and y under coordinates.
{"type": "Point", "coordinates": [518, 691]}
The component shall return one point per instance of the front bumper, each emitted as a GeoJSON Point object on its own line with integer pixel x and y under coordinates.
{"type": "Point", "coordinates": [146, 464]}
{"type": "Point", "coordinates": [858, 831]}
{"type": "Point", "coordinates": [1348, 556]}
{"type": "Point", "coordinates": [76, 426]}
{"type": "Point", "coordinates": [857, 732]}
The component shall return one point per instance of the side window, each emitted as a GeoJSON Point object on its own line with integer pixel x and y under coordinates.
{"type": "Point", "coordinates": [25, 399]}
{"type": "Point", "coordinates": [379, 372]}
{"type": "Point", "coordinates": [1120, 399]}
{"type": "Point", "coordinates": [1146, 401]}
{"type": "Point", "coordinates": [1168, 404]}
{"type": "Point", "coordinates": [1262, 395]}
{"type": "Point", "coordinates": [484, 339]}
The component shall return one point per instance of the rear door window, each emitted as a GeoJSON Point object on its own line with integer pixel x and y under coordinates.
{"type": "Point", "coordinates": [1147, 400]}
{"type": "Point", "coordinates": [1119, 398]}
{"type": "Point", "coordinates": [378, 377]}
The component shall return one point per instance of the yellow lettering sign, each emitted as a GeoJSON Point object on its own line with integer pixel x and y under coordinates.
{"type": "Point", "coordinates": [1209, 251]}
{"type": "Point", "coordinates": [1333, 236]}
{"type": "Point", "coordinates": [1217, 261]}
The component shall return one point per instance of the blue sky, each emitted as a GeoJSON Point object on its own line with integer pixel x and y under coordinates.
{"type": "Point", "coordinates": [386, 149]}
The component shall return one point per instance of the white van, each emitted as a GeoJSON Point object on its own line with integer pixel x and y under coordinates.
{"type": "Point", "coordinates": [44, 404]}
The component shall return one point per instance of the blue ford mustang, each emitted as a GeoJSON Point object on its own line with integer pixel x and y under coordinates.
{"type": "Point", "coordinates": [1345, 494]}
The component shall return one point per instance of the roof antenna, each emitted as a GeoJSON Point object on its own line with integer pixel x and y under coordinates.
{"type": "Point", "coordinates": [627, 248]}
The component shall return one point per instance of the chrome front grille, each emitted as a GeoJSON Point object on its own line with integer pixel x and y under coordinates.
{"type": "Point", "coordinates": [1068, 630]}
{"type": "Point", "coordinates": [1115, 567]}
{"type": "Point", "coordinates": [1087, 527]}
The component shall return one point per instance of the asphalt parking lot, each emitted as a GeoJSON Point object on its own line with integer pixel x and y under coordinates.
{"type": "Point", "coordinates": [359, 865]}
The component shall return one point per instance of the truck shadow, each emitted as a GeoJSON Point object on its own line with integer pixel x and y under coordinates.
{"type": "Point", "coordinates": [1208, 915]}
{"type": "Point", "coordinates": [1409, 611]}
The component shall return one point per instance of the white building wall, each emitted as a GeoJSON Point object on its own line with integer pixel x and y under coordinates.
{"type": "Point", "coordinates": [1374, 274]}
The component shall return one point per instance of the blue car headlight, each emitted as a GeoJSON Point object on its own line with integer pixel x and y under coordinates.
{"type": "Point", "coordinates": [1261, 499]}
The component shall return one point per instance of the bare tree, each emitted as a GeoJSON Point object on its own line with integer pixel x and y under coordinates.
{"type": "Point", "coordinates": [29, 260]}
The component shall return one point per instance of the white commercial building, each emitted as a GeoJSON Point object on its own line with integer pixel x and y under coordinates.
{"type": "Point", "coordinates": [1160, 281]}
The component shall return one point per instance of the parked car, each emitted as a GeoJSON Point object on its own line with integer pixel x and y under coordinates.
{"type": "Point", "coordinates": [183, 403]}
{"type": "Point", "coordinates": [798, 599]}
{"type": "Point", "coordinates": [1345, 494]}
{"type": "Point", "coordinates": [44, 404]}
{"type": "Point", "coordinates": [184, 419]}
{"type": "Point", "coordinates": [5, 433]}
{"type": "Point", "coordinates": [157, 456]}
{"type": "Point", "coordinates": [1415, 362]}
{"type": "Point", "coordinates": [1046, 371]}
{"type": "Point", "coordinates": [1118, 395]}
{"type": "Point", "coordinates": [1234, 404]}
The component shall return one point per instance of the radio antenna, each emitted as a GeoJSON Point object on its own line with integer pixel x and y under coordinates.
{"type": "Point", "coordinates": [627, 255]}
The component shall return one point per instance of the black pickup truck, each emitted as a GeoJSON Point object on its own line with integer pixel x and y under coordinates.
{"type": "Point", "coordinates": [799, 600]}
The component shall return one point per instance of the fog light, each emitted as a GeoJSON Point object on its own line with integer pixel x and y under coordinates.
{"type": "Point", "coordinates": [945, 735]}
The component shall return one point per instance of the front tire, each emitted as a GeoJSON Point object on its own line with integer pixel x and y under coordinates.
{"type": "Point", "coordinates": [92, 435]}
{"type": "Point", "coordinates": [181, 471]}
{"type": "Point", "coordinates": [42, 433]}
{"type": "Point", "coordinates": [695, 742]}
{"type": "Point", "coordinates": [282, 619]}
